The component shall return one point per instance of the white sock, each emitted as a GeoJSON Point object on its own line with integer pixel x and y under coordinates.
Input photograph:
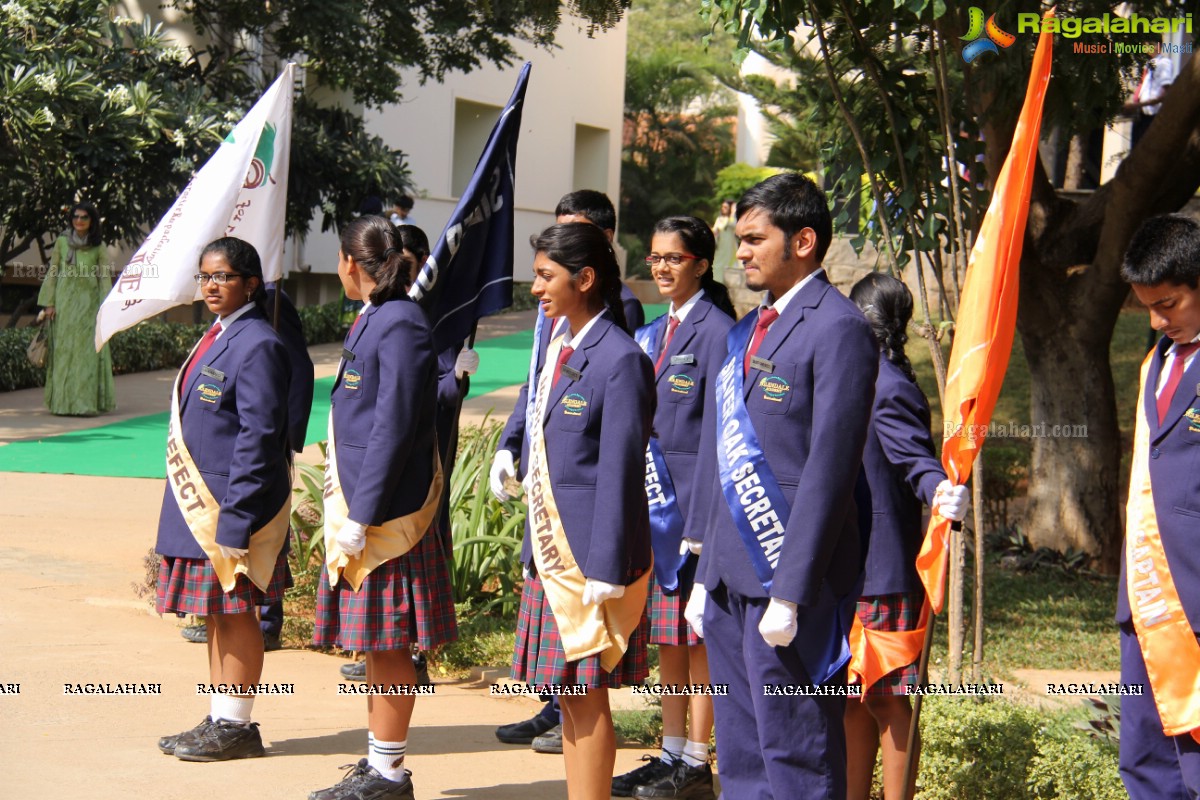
{"type": "Point", "coordinates": [232, 708]}
{"type": "Point", "coordinates": [672, 747]}
{"type": "Point", "coordinates": [695, 754]}
{"type": "Point", "coordinates": [388, 758]}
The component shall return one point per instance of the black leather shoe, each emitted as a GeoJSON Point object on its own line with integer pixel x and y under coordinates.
{"type": "Point", "coordinates": [222, 741]}
{"type": "Point", "coordinates": [363, 782]}
{"type": "Point", "coordinates": [694, 783]}
{"type": "Point", "coordinates": [168, 743]}
{"type": "Point", "coordinates": [355, 672]}
{"type": "Point", "coordinates": [549, 742]}
{"type": "Point", "coordinates": [271, 642]}
{"type": "Point", "coordinates": [524, 732]}
{"type": "Point", "coordinates": [196, 634]}
{"type": "Point", "coordinates": [421, 666]}
{"type": "Point", "coordinates": [654, 769]}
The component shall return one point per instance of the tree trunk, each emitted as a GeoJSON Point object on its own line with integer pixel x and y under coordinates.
{"type": "Point", "coordinates": [1073, 420]}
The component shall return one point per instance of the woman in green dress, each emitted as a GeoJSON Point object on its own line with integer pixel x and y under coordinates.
{"type": "Point", "coordinates": [79, 381]}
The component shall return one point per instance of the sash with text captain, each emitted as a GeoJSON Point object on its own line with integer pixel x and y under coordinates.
{"type": "Point", "coordinates": [780, 568]}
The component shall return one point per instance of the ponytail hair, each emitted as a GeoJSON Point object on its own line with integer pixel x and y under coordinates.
{"type": "Point", "coordinates": [374, 244]}
{"type": "Point", "coordinates": [698, 238]}
{"type": "Point", "coordinates": [888, 305]}
{"type": "Point", "coordinates": [244, 260]}
{"type": "Point", "coordinates": [575, 245]}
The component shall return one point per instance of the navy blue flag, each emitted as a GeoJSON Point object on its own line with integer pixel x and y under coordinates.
{"type": "Point", "coordinates": [469, 274]}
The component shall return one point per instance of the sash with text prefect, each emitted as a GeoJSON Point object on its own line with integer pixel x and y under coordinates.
{"type": "Point", "coordinates": [760, 512]}
{"type": "Point", "coordinates": [666, 520]}
{"type": "Point", "coordinates": [390, 540]}
{"type": "Point", "coordinates": [585, 629]}
{"type": "Point", "coordinates": [1168, 644]}
{"type": "Point", "coordinates": [201, 510]}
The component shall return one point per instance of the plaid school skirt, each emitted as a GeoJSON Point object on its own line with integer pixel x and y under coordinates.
{"type": "Point", "coordinates": [538, 658]}
{"type": "Point", "coordinates": [892, 612]}
{"type": "Point", "coordinates": [190, 586]}
{"type": "Point", "coordinates": [667, 625]}
{"type": "Point", "coordinates": [402, 602]}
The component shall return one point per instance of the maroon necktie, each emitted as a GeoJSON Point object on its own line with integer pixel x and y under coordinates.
{"type": "Point", "coordinates": [765, 317]}
{"type": "Point", "coordinates": [563, 355]}
{"type": "Point", "coordinates": [210, 336]}
{"type": "Point", "coordinates": [672, 324]}
{"type": "Point", "coordinates": [1182, 351]}
{"type": "Point", "coordinates": [353, 326]}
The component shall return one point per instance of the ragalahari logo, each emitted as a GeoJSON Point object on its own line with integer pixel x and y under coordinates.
{"type": "Point", "coordinates": [996, 38]}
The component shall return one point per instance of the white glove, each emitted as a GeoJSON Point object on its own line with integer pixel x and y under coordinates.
{"type": "Point", "coordinates": [233, 552]}
{"type": "Point", "coordinates": [352, 538]}
{"type": "Point", "coordinates": [690, 546]}
{"type": "Point", "coordinates": [693, 612]}
{"type": "Point", "coordinates": [525, 572]}
{"type": "Point", "coordinates": [596, 592]}
{"type": "Point", "coordinates": [951, 501]}
{"type": "Point", "coordinates": [778, 623]}
{"type": "Point", "coordinates": [467, 363]}
{"type": "Point", "coordinates": [502, 470]}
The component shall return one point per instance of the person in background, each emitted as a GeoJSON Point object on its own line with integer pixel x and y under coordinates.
{"type": "Point", "coordinates": [402, 211]}
{"type": "Point", "coordinates": [544, 730]}
{"type": "Point", "coordinates": [902, 474]}
{"type": "Point", "coordinates": [683, 345]}
{"type": "Point", "coordinates": [726, 252]}
{"type": "Point", "coordinates": [79, 381]}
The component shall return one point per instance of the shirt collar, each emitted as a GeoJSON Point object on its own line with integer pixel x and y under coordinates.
{"type": "Point", "coordinates": [229, 319]}
{"type": "Point", "coordinates": [682, 312]}
{"type": "Point", "coordinates": [576, 341]}
{"type": "Point", "coordinates": [780, 304]}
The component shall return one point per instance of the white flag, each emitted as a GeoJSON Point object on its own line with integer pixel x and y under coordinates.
{"type": "Point", "coordinates": [241, 191]}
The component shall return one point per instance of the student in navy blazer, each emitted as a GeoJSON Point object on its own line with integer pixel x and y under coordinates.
{"type": "Point", "coordinates": [903, 474]}
{"type": "Point", "coordinates": [383, 417]}
{"type": "Point", "coordinates": [585, 205]}
{"type": "Point", "coordinates": [1163, 266]}
{"type": "Point", "coordinates": [599, 408]}
{"type": "Point", "coordinates": [808, 395]}
{"type": "Point", "coordinates": [233, 422]}
{"type": "Point", "coordinates": [682, 344]}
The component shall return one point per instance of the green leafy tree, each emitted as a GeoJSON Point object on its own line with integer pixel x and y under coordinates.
{"type": "Point", "coordinates": [904, 114]}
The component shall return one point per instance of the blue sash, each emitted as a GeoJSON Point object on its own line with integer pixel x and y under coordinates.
{"type": "Point", "coordinates": [666, 520]}
{"type": "Point", "coordinates": [760, 514]}
{"type": "Point", "coordinates": [530, 395]}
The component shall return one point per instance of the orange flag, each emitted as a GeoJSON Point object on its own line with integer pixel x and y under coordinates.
{"type": "Point", "coordinates": [987, 316]}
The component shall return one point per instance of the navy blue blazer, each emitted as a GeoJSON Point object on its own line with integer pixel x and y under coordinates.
{"type": "Point", "coordinates": [235, 427]}
{"type": "Point", "coordinates": [300, 391]}
{"type": "Point", "coordinates": [1175, 478]}
{"type": "Point", "coordinates": [813, 439]}
{"type": "Point", "coordinates": [596, 432]}
{"type": "Point", "coordinates": [680, 389]}
{"type": "Point", "coordinates": [513, 437]}
{"type": "Point", "coordinates": [902, 475]}
{"type": "Point", "coordinates": [383, 406]}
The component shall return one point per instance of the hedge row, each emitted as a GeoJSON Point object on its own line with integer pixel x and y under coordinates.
{"type": "Point", "coordinates": [148, 346]}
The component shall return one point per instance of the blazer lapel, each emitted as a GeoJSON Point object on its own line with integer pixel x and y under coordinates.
{"type": "Point", "coordinates": [808, 297]}
{"type": "Point", "coordinates": [683, 335]}
{"type": "Point", "coordinates": [216, 351]}
{"type": "Point", "coordinates": [577, 361]}
{"type": "Point", "coordinates": [1185, 395]}
{"type": "Point", "coordinates": [352, 340]}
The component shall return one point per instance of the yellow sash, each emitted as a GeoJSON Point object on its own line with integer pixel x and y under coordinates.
{"type": "Point", "coordinates": [200, 511]}
{"type": "Point", "coordinates": [585, 630]}
{"type": "Point", "coordinates": [390, 540]}
{"type": "Point", "coordinates": [1164, 634]}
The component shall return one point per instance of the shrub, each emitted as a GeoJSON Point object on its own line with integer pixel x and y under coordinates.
{"type": "Point", "coordinates": [975, 749]}
{"type": "Point", "coordinates": [15, 370]}
{"type": "Point", "coordinates": [1074, 767]}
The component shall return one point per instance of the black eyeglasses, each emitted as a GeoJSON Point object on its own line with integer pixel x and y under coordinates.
{"type": "Point", "coordinates": [674, 259]}
{"type": "Point", "coordinates": [80, 216]}
{"type": "Point", "coordinates": [219, 278]}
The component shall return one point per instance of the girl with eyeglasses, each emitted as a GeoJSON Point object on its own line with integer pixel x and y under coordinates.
{"type": "Point", "coordinates": [386, 585]}
{"type": "Point", "coordinates": [223, 529]}
{"type": "Point", "coordinates": [684, 344]}
{"type": "Point", "coordinates": [79, 381]}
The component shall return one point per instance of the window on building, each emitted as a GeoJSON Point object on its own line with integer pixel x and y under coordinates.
{"type": "Point", "coordinates": [591, 158]}
{"type": "Point", "coordinates": [473, 123]}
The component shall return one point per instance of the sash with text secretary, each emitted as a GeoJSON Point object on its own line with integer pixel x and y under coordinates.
{"type": "Point", "coordinates": [389, 540]}
{"type": "Point", "coordinates": [666, 520]}
{"type": "Point", "coordinates": [1164, 634]}
{"type": "Point", "coordinates": [585, 629]}
{"type": "Point", "coordinates": [760, 511]}
{"type": "Point", "coordinates": [201, 510]}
